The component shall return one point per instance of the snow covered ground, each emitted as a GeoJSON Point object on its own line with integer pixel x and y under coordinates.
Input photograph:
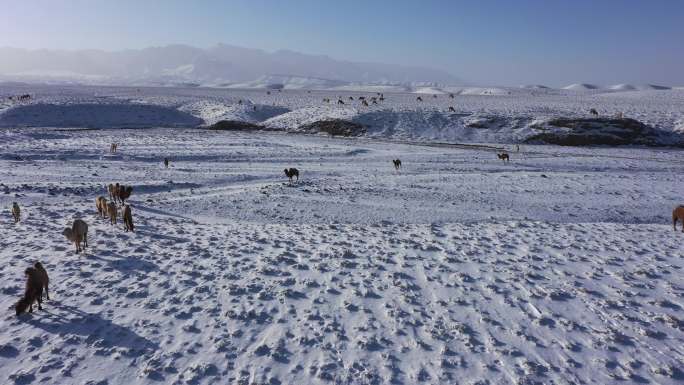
{"type": "Point", "coordinates": [558, 267]}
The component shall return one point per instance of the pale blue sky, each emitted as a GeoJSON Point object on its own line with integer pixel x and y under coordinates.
{"type": "Point", "coordinates": [507, 42]}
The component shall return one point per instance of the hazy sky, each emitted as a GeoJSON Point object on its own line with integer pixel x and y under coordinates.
{"type": "Point", "coordinates": [506, 42]}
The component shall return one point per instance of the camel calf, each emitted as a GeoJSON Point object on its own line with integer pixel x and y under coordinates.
{"type": "Point", "coordinates": [678, 214]}
{"type": "Point", "coordinates": [504, 157]}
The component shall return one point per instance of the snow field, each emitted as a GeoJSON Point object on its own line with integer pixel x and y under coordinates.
{"type": "Point", "coordinates": [559, 267]}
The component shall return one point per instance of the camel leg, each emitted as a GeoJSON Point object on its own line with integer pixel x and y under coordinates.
{"type": "Point", "coordinates": [674, 224]}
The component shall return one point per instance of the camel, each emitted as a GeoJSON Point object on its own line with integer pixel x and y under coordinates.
{"type": "Point", "coordinates": [452, 109]}
{"type": "Point", "coordinates": [419, 99]}
{"type": "Point", "coordinates": [124, 193]}
{"type": "Point", "coordinates": [16, 212]}
{"type": "Point", "coordinates": [35, 282]}
{"type": "Point", "coordinates": [365, 103]}
{"type": "Point", "coordinates": [397, 164]}
{"type": "Point", "coordinates": [78, 234]}
{"type": "Point", "coordinates": [504, 157]}
{"type": "Point", "coordinates": [678, 214]}
{"type": "Point", "coordinates": [594, 112]}
{"type": "Point", "coordinates": [127, 218]}
{"type": "Point", "coordinates": [340, 101]}
{"type": "Point", "coordinates": [292, 172]}
{"type": "Point", "coordinates": [113, 191]}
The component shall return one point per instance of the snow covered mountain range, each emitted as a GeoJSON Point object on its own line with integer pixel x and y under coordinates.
{"type": "Point", "coordinates": [221, 65]}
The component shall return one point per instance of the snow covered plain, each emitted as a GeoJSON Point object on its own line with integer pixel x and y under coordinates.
{"type": "Point", "coordinates": [559, 267]}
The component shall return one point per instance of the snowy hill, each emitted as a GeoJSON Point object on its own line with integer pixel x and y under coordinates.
{"type": "Point", "coordinates": [472, 115]}
{"type": "Point", "coordinates": [581, 87]}
{"type": "Point", "coordinates": [289, 82]}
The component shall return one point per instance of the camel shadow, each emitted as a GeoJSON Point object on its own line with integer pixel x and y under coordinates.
{"type": "Point", "coordinates": [157, 235]}
{"type": "Point", "coordinates": [68, 321]}
{"type": "Point", "coordinates": [125, 264]}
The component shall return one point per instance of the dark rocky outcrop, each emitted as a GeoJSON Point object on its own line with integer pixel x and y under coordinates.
{"type": "Point", "coordinates": [602, 131]}
{"type": "Point", "coordinates": [335, 127]}
{"type": "Point", "coordinates": [235, 125]}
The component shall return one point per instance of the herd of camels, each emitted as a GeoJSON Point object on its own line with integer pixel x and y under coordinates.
{"type": "Point", "coordinates": [37, 279]}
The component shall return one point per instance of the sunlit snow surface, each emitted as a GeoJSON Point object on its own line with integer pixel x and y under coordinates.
{"type": "Point", "coordinates": [558, 267]}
